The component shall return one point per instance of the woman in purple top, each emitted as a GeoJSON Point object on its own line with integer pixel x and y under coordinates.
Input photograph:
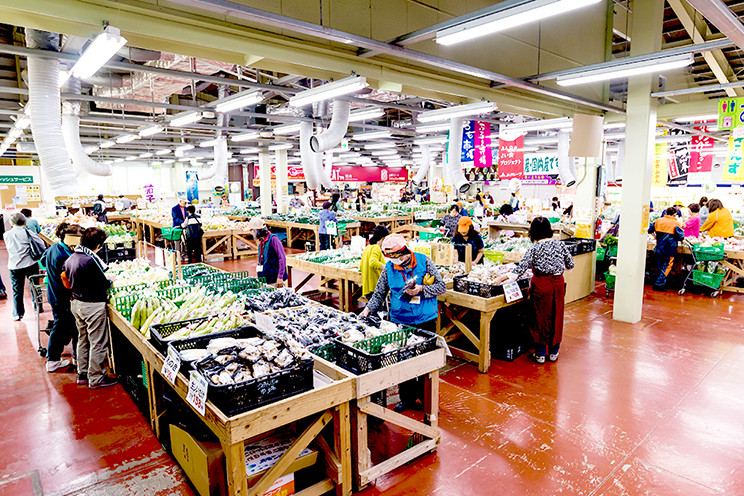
{"type": "Point", "coordinates": [692, 226]}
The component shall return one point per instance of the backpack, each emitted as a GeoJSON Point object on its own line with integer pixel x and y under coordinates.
{"type": "Point", "coordinates": [193, 231]}
{"type": "Point", "coordinates": [97, 209]}
{"type": "Point", "coordinates": [36, 247]}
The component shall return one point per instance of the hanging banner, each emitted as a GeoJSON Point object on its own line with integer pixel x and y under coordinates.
{"type": "Point", "coordinates": [679, 159]}
{"type": "Point", "coordinates": [730, 113]}
{"type": "Point", "coordinates": [483, 156]}
{"type": "Point", "coordinates": [346, 173]}
{"type": "Point", "coordinates": [511, 158]}
{"type": "Point", "coordinates": [192, 186]}
{"type": "Point", "coordinates": [537, 165]}
{"type": "Point", "coordinates": [659, 171]}
{"type": "Point", "coordinates": [733, 170]}
{"type": "Point", "coordinates": [468, 142]}
{"type": "Point", "coordinates": [701, 158]}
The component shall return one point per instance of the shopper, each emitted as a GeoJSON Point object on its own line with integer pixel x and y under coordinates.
{"type": "Point", "coordinates": [555, 205]}
{"type": "Point", "coordinates": [549, 259]}
{"type": "Point", "coordinates": [21, 264]}
{"type": "Point", "coordinates": [63, 326]}
{"type": "Point", "coordinates": [466, 236]}
{"type": "Point", "coordinates": [31, 224]}
{"type": "Point", "coordinates": [489, 199]}
{"type": "Point", "coordinates": [126, 203]}
{"type": "Point", "coordinates": [178, 212]}
{"type": "Point", "coordinates": [324, 217]}
{"type": "Point", "coordinates": [414, 283]}
{"type": "Point", "coordinates": [296, 201]}
{"type": "Point", "coordinates": [449, 221]}
{"type": "Point", "coordinates": [272, 261]}
{"type": "Point", "coordinates": [99, 210]}
{"type": "Point", "coordinates": [335, 198]}
{"type": "Point", "coordinates": [703, 209]}
{"type": "Point", "coordinates": [479, 210]}
{"type": "Point", "coordinates": [506, 214]}
{"type": "Point", "coordinates": [192, 234]}
{"type": "Point", "coordinates": [361, 201]}
{"type": "Point", "coordinates": [373, 261]}
{"type": "Point", "coordinates": [678, 206]}
{"type": "Point", "coordinates": [692, 226]}
{"type": "Point", "coordinates": [85, 272]}
{"type": "Point", "coordinates": [668, 234]}
{"type": "Point", "coordinates": [463, 211]}
{"type": "Point", "coordinates": [514, 202]}
{"type": "Point", "coordinates": [719, 224]}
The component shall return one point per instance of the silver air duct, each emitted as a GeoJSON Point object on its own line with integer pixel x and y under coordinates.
{"type": "Point", "coordinates": [331, 137]}
{"type": "Point", "coordinates": [454, 164]}
{"type": "Point", "coordinates": [218, 170]}
{"type": "Point", "coordinates": [420, 176]}
{"type": "Point", "coordinates": [81, 162]}
{"type": "Point", "coordinates": [566, 167]}
{"type": "Point", "coordinates": [46, 124]}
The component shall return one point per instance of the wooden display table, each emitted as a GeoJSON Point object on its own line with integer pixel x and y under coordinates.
{"type": "Point", "coordinates": [580, 279]}
{"type": "Point", "coordinates": [120, 218]}
{"type": "Point", "coordinates": [217, 243]}
{"type": "Point", "coordinates": [297, 231]}
{"type": "Point", "coordinates": [345, 283]}
{"type": "Point", "coordinates": [560, 231]}
{"type": "Point", "coordinates": [389, 221]}
{"type": "Point", "coordinates": [453, 307]}
{"type": "Point", "coordinates": [143, 226]}
{"type": "Point", "coordinates": [326, 404]}
{"type": "Point", "coordinates": [242, 245]}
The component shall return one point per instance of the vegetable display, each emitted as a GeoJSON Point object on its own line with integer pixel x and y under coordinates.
{"type": "Point", "coordinates": [487, 274]}
{"type": "Point", "coordinates": [273, 300]}
{"type": "Point", "coordinates": [138, 271]}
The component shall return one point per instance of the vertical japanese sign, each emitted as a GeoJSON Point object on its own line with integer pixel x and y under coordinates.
{"type": "Point", "coordinates": [468, 142]}
{"type": "Point", "coordinates": [148, 192]}
{"type": "Point", "coordinates": [192, 186]}
{"type": "Point", "coordinates": [679, 159]}
{"type": "Point", "coordinates": [659, 171]}
{"type": "Point", "coordinates": [511, 158]}
{"type": "Point", "coordinates": [730, 113]}
{"type": "Point", "coordinates": [701, 158]}
{"type": "Point", "coordinates": [482, 155]}
{"type": "Point", "coordinates": [733, 170]}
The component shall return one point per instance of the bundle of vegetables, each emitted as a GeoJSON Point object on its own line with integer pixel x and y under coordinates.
{"type": "Point", "coordinates": [711, 267]}
{"type": "Point", "coordinates": [448, 273]}
{"type": "Point", "coordinates": [341, 258]}
{"type": "Point", "coordinates": [518, 245]}
{"type": "Point", "coordinates": [487, 274]}
{"type": "Point", "coordinates": [609, 240]}
{"type": "Point", "coordinates": [137, 271]}
{"type": "Point", "coordinates": [218, 323]}
{"type": "Point", "coordinates": [274, 300]}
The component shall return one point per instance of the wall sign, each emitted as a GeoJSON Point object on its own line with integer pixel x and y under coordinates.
{"type": "Point", "coordinates": [345, 173]}
{"type": "Point", "coordinates": [511, 158]}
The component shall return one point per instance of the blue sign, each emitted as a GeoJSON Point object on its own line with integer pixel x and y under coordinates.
{"type": "Point", "coordinates": [192, 186]}
{"type": "Point", "coordinates": [468, 141]}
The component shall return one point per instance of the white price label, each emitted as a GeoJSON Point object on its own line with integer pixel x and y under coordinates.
{"type": "Point", "coordinates": [264, 322]}
{"type": "Point", "coordinates": [171, 365]}
{"type": "Point", "coordinates": [443, 344]}
{"type": "Point", "coordinates": [331, 228]}
{"type": "Point", "coordinates": [197, 395]}
{"type": "Point", "coordinates": [512, 292]}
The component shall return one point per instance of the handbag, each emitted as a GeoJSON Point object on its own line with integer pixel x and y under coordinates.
{"type": "Point", "coordinates": [36, 246]}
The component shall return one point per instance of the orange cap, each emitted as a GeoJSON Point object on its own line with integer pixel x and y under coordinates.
{"type": "Point", "coordinates": [463, 225]}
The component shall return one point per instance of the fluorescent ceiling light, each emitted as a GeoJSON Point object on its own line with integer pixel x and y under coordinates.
{"type": "Point", "coordinates": [287, 129]}
{"type": "Point", "coordinates": [625, 70]}
{"type": "Point", "coordinates": [365, 114]}
{"type": "Point", "coordinates": [99, 51]}
{"type": "Point", "coordinates": [131, 157]}
{"type": "Point", "coordinates": [169, 161]}
{"type": "Point", "coordinates": [23, 121]}
{"type": "Point", "coordinates": [150, 130]}
{"type": "Point", "coordinates": [431, 141]}
{"type": "Point", "coordinates": [508, 18]}
{"type": "Point", "coordinates": [239, 100]}
{"type": "Point", "coordinates": [107, 144]}
{"type": "Point", "coordinates": [294, 160]}
{"type": "Point", "coordinates": [283, 146]}
{"type": "Point", "coordinates": [349, 155]}
{"type": "Point", "coordinates": [119, 161]}
{"type": "Point", "coordinates": [444, 114]}
{"type": "Point", "coordinates": [328, 91]}
{"type": "Point", "coordinates": [371, 135]}
{"type": "Point", "coordinates": [677, 138]}
{"type": "Point", "coordinates": [145, 155]}
{"type": "Point", "coordinates": [164, 151]}
{"type": "Point", "coordinates": [127, 138]}
{"type": "Point", "coordinates": [209, 143]}
{"type": "Point", "coordinates": [380, 146]}
{"type": "Point", "coordinates": [542, 141]}
{"type": "Point", "coordinates": [702, 118]}
{"type": "Point", "coordinates": [232, 160]}
{"type": "Point", "coordinates": [185, 118]}
{"type": "Point", "coordinates": [382, 153]}
{"type": "Point", "coordinates": [251, 135]}
{"type": "Point", "coordinates": [614, 136]}
{"type": "Point", "coordinates": [432, 128]}
{"type": "Point", "coordinates": [155, 163]}
{"type": "Point", "coordinates": [245, 151]}
{"type": "Point", "coordinates": [614, 125]}
{"type": "Point", "coordinates": [560, 123]}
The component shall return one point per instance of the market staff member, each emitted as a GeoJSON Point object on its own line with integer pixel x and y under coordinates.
{"type": "Point", "coordinates": [272, 261]}
{"type": "Point", "coordinates": [467, 237]}
{"type": "Point", "coordinates": [414, 283]}
{"type": "Point", "coordinates": [178, 212]}
{"type": "Point", "coordinates": [373, 261]}
{"type": "Point", "coordinates": [668, 233]}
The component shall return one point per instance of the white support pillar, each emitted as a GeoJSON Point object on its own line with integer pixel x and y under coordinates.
{"type": "Point", "coordinates": [640, 131]}
{"type": "Point", "coordinates": [264, 164]}
{"type": "Point", "coordinates": [282, 177]}
{"type": "Point", "coordinates": [585, 204]}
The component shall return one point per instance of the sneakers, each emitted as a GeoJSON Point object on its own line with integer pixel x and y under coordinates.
{"type": "Point", "coordinates": [54, 365]}
{"type": "Point", "coordinates": [553, 357]}
{"type": "Point", "coordinates": [82, 379]}
{"type": "Point", "coordinates": [18, 318]}
{"type": "Point", "coordinates": [105, 382]}
{"type": "Point", "coordinates": [538, 358]}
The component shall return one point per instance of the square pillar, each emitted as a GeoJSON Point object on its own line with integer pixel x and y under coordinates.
{"type": "Point", "coordinates": [264, 164]}
{"type": "Point", "coordinates": [282, 177]}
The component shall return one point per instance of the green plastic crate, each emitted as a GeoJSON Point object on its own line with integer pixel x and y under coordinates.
{"type": "Point", "coordinates": [171, 233]}
{"type": "Point", "coordinates": [611, 251]}
{"type": "Point", "coordinates": [600, 253]}
{"type": "Point", "coordinates": [609, 280]}
{"type": "Point", "coordinates": [715, 252]}
{"type": "Point", "coordinates": [427, 236]}
{"type": "Point", "coordinates": [707, 279]}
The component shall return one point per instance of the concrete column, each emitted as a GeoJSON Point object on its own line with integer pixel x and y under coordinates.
{"type": "Point", "coordinates": [640, 130]}
{"type": "Point", "coordinates": [282, 177]}
{"type": "Point", "coordinates": [585, 204]}
{"type": "Point", "coordinates": [264, 164]}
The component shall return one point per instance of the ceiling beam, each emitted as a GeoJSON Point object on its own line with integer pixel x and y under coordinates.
{"type": "Point", "coordinates": [700, 32]}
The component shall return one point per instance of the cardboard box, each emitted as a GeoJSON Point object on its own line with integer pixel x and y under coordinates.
{"type": "Point", "coordinates": [201, 461]}
{"type": "Point", "coordinates": [284, 486]}
{"type": "Point", "coordinates": [261, 455]}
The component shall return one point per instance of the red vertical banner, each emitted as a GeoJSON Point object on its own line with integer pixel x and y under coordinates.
{"type": "Point", "coordinates": [701, 158]}
{"type": "Point", "coordinates": [511, 159]}
{"type": "Point", "coordinates": [482, 156]}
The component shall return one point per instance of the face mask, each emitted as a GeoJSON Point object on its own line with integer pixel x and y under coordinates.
{"type": "Point", "coordinates": [395, 261]}
{"type": "Point", "coordinates": [260, 233]}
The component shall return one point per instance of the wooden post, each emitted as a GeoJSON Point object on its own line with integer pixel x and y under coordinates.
{"type": "Point", "coordinates": [342, 446]}
{"type": "Point", "coordinates": [237, 484]}
{"type": "Point", "coordinates": [484, 353]}
{"type": "Point", "coordinates": [468, 258]}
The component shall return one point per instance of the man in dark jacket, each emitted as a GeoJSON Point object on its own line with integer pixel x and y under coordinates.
{"type": "Point", "coordinates": [178, 212]}
{"type": "Point", "coordinates": [668, 235]}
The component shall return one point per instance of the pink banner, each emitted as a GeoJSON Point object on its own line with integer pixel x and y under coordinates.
{"type": "Point", "coordinates": [701, 160]}
{"type": "Point", "coordinates": [293, 173]}
{"type": "Point", "coordinates": [511, 159]}
{"type": "Point", "coordinates": [483, 156]}
{"type": "Point", "coordinates": [345, 173]}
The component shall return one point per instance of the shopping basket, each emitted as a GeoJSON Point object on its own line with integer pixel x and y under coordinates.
{"type": "Point", "coordinates": [171, 233]}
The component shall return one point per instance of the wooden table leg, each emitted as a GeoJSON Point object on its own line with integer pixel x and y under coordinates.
{"type": "Point", "coordinates": [431, 399]}
{"type": "Point", "coordinates": [342, 446]}
{"type": "Point", "coordinates": [237, 485]}
{"type": "Point", "coordinates": [362, 455]}
{"type": "Point", "coordinates": [484, 352]}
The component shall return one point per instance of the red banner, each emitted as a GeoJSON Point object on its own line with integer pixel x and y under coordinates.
{"type": "Point", "coordinates": [701, 159]}
{"type": "Point", "coordinates": [345, 173]}
{"type": "Point", "coordinates": [511, 159]}
{"type": "Point", "coordinates": [483, 156]}
{"type": "Point", "coordinates": [293, 173]}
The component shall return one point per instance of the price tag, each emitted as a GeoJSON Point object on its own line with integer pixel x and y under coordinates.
{"type": "Point", "coordinates": [331, 228]}
{"type": "Point", "coordinates": [197, 395]}
{"type": "Point", "coordinates": [443, 344]}
{"type": "Point", "coordinates": [264, 322]}
{"type": "Point", "coordinates": [171, 365]}
{"type": "Point", "coordinates": [512, 292]}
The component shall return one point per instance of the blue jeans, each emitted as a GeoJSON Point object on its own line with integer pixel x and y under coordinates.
{"type": "Point", "coordinates": [2, 286]}
{"type": "Point", "coordinates": [325, 241]}
{"type": "Point", "coordinates": [63, 330]}
{"type": "Point", "coordinates": [665, 267]}
{"type": "Point", "coordinates": [18, 282]}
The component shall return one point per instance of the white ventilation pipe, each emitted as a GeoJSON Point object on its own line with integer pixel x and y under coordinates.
{"type": "Point", "coordinates": [46, 125]}
{"type": "Point", "coordinates": [331, 137]}
{"type": "Point", "coordinates": [454, 164]}
{"type": "Point", "coordinates": [566, 167]}
{"type": "Point", "coordinates": [81, 162]}
{"type": "Point", "coordinates": [307, 156]}
{"type": "Point", "coordinates": [609, 169]}
{"type": "Point", "coordinates": [323, 166]}
{"type": "Point", "coordinates": [620, 161]}
{"type": "Point", "coordinates": [420, 176]}
{"type": "Point", "coordinates": [219, 164]}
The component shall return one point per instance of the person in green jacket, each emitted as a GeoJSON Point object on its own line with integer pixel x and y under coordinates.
{"type": "Point", "coordinates": [373, 261]}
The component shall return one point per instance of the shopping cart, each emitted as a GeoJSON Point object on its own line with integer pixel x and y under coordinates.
{"type": "Point", "coordinates": [38, 297]}
{"type": "Point", "coordinates": [706, 264]}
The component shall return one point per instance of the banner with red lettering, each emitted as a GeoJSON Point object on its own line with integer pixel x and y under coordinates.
{"type": "Point", "coordinates": [511, 158]}
{"type": "Point", "coordinates": [346, 173]}
{"type": "Point", "coordinates": [701, 155]}
{"type": "Point", "coordinates": [482, 156]}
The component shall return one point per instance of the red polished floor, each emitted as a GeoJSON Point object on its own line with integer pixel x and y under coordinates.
{"type": "Point", "coordinates": [648, 409]}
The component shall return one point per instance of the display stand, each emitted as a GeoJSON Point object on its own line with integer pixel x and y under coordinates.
{"type": "Point", "coordinates": [560, 231]}
{"type": "Point", "coordinates": [327, 403]}
{"type": "Point", "coordinates": [391, 222]}
{"type": "Point", "coordinates": [345, 283]}
{"type": "Point", "coordinates": [242, 245]}
{"type": "Point", "coordinates": [297, 231]}
{"type": "Point", "coordinates": [217, 244]}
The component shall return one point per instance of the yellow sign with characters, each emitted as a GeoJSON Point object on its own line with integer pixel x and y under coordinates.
{"type": "Point", "coordinates": [734, 170]}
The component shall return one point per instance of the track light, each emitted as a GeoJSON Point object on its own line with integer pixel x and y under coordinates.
{"type": "Point", "coordinates": [328, 91]}
{"type": "Point", "coordinates": [457, 111]}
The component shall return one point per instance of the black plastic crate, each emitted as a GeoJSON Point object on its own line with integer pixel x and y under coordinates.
{"type": "Point", "coordinates": [365, 356]}
{"type": "Point", "coordinates": [588, 245]}
{"type": "Point", "coordinates": [202, 341]}
{"type": "Point", "coordinates": [508, 352]}
{"type": "Point", "coordinates": [462, 285]}
{"type": "Point", "coordinates": [159, 332]}
{"type": "Point", "coordinates": [119, 254]}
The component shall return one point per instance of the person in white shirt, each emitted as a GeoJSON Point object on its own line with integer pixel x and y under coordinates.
{"type": "Point", "coordinates": [125, 202]}
{"type": "Point", "coordinates": [20, 263]}
{"type": "Point", "coordinates": [296, 201]}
